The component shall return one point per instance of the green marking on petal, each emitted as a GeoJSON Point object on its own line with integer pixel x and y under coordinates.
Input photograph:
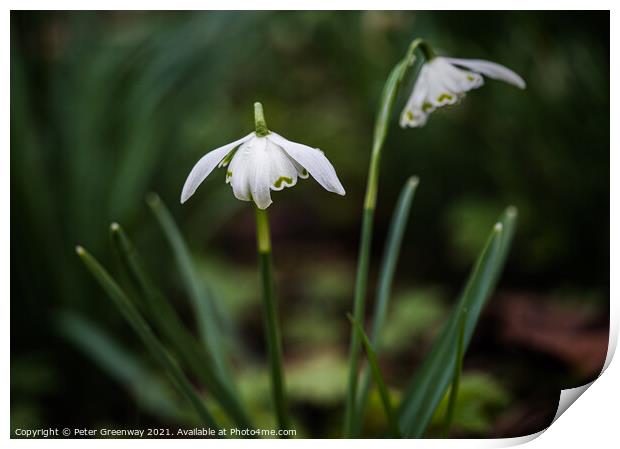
{"type": "Point", "coordinates": [283, 179]}
{"type": "Point", "coordinates": [427, 107]}
{"type": "Point", "coordinates": [227, 159]}
{"type": "Point", "coordinates": [470, 77]}
{"type": "Point", "coordinates": [228, 174]}
{"type": "Point", "coordinates": [409, 115]}
{"type": "Point", "coordinates": [444, 96]}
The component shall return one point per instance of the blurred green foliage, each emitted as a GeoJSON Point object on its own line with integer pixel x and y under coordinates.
{"type": "Point", "coordinates": [415, 313]}
{"type": "Point", "coordinates": [478, 400]}
{"type": "Point", "coordinates": [106, 107]}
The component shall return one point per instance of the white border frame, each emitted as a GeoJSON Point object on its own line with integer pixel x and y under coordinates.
{"type": "Point", "coordinates": [591, 421]}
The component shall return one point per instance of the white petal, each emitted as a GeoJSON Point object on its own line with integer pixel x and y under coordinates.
{"type": "Point", "coordinates": [241, 170]}
{"type": "Point", "coordinates": [490, 69]}
{"type": "Point", "coordinates": [312, 160]}
{"type": "Point", "coordinates": [413, 114]}
{"type": "Point", "coordinates": [283, 172]}
{"type": "Point", "coordinates": [301, 172]}
{"type": "Point", "coordinates": [438, 93]}
{"type": "Point", "coordinates": [260, 181]}
{"type": "Point", "coordinates": [458, 80]}
{"type": "Point", "coordinates": [205, 165]}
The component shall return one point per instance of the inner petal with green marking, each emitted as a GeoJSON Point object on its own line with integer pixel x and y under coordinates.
{"type": "Point", "coordinates": [283, 179]}
{"type": "Point", "coordinates": [445, 97]}
{"type": "Point", "coordinates": [227, 159]}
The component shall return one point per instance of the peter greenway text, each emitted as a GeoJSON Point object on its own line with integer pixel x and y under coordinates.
{"type": "Point", "coordinates": [196, 432]}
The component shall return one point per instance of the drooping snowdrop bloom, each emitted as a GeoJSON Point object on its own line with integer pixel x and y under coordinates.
{"type": "Point", "coordinates": [443, 81]}
{"type": "Point", "coordinates": [263, 161]}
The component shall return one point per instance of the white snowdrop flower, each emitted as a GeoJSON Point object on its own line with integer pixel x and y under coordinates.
{"type": "Point", "coordinates": [444, 81]}
{"type": "Point", "coordinates": [263, 161]}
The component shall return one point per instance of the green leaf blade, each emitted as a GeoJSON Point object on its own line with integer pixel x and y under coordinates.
{"type": "Point", "coordinates": [378, 377]}
{"type": "Point", "coordinates": [433, 376]}
{"type": "Point", "coordinates": [386, 276]}
{"type": "Point", "coordinates": [203, 304]}
{"type": "Point", "coordinates": [122, 365]}
{"type": "Point", "coordinates": [139, 325]}
{"type": "Point", "coordinates": [456, 379]}
{"type": "Point", "coordinates": [162, 314]}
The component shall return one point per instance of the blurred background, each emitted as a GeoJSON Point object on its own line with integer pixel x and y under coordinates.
{"type": "Point", "coordinates": [106, 107]}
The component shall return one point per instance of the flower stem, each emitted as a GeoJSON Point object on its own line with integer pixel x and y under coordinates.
{"type": "Point", "coordinates": [358, 314]}
{"type": "Point", "coordinates": [259, 120]}
{"type": "Point", "coordinates": [271, 318]}
{"type": "Point", "coordinates": [388, 97]}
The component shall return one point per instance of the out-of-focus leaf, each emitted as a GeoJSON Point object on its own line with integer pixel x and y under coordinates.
{"type": "Point", "coordinates": [160, 312]}
{"type": "Point", "coordinates": [319, 378]}
{"type": "Point", "coordinates": [148, 391]}
{"type": "Point", "coordinates": [466, 222]}
{"type": "Point", "coordinates": [433, 376]}
{"type": "Point", "coordinates": [479, 398]}
{"type": "Point", "coordinates": [311, 327]}
{"type": "Point", "coordinates": [390, 256]}
{"type": "Point", "coordinates": [328, 283]}
{"type": "Point", "coordinates": [204, 307]}
{"type": "Point", "coordinates": [143, 330]}
{"type": "Point", "coordinates": [456, 378]}
{"type": "Point", "coordinates": [415, 312]}
{"type": "Point", "coordinates": [378, 377]}
{"type": "Point", "coordinates": [384, 286]}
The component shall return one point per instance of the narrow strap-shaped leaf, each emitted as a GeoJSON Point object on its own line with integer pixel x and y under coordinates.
{"type": "Point", "coordinates": [456, 378]}
{"type": "Point", "coordinates": [147, 389]}
{"type": "Point", "coordinates": [433, 376]}
{"type": "Point", "coordinates": [203, 305]}
{"type": "Point", "coordinates": [376, 372]}
{"type": "Point", "coordinates": [386, 276]}
{"type": "Point", "coordinates": [139, 325]}
{"type": "Point", "coordinates": [162, 314]}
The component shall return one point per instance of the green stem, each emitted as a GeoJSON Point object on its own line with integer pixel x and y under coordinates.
{"type": "Point", "coordinates": [358, 314]}
{"type": "Point", "coordinates": [259, 120]}
{"type": "Point", "coordinates": [458, 366]}
{"type": "Point", "coordinates": [388, 97]}
{"type": "Point", "coordinates": [271, 318]}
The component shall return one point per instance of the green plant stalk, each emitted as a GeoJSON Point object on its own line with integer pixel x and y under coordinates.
{"type": "Point", "coordinates": [456, 380]}
{"type": "Point", "coordinates": [259, 120]}
{"type": "Point", "coordinates": [272, 327]}
{"type": "Point", "coordinates": [376, 371]}
{"type": "Point", "coordinates": [388, 97]}
{"type": "Point", "coordinates": [145, 333]}
{"type": "Point", "coordinates": [167, 321]}
{"type": "Point", "coordinates": [386, 275]}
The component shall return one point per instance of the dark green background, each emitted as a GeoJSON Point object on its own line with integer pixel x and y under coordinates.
{"type": "Point", "coordinates": [106, 107]}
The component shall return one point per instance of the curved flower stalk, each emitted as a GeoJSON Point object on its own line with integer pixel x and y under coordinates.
{"type": "Point", "coordinates": [388, 96]}
{"type": "Point", "coordinates": [442, 82]}
{"type": "Point", "coordinates": [263, 161]}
